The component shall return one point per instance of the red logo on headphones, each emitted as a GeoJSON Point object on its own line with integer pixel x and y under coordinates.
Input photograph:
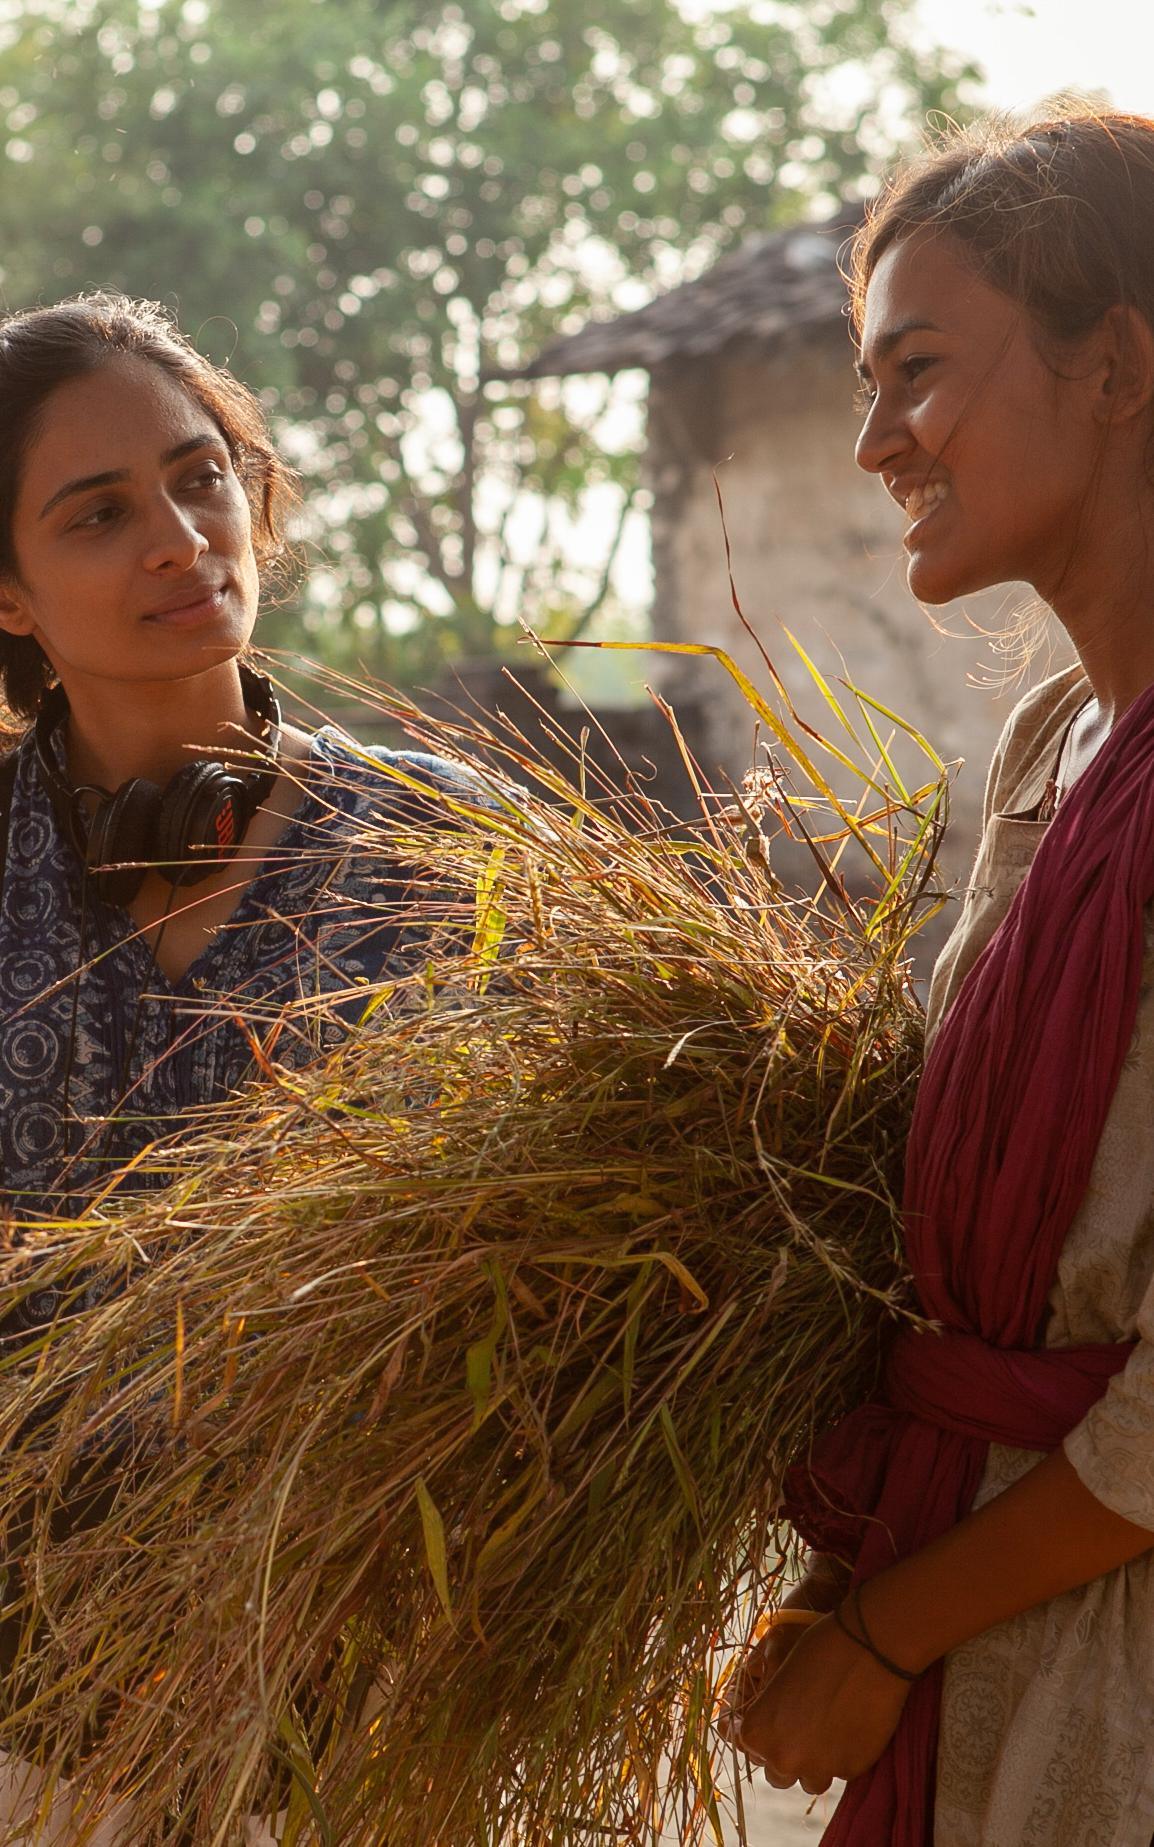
{"type": "Point", "coordinates": [224, 823]}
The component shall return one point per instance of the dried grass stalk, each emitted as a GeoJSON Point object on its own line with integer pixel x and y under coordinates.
{"type": "Point", "coordinates": [454, 1379]}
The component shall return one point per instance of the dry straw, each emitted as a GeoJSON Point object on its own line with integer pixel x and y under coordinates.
{"type": "Point", "coordinates": [425, 1470]}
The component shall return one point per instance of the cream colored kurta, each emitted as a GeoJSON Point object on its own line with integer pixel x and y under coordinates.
{"type": "Point", "coordinates": [1047, 1733]}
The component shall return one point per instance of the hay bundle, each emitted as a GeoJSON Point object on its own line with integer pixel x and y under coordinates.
{"type": "Point", "coordinates": [452, 1381]}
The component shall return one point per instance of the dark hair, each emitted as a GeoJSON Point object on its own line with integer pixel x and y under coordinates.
{"type": "Point", "coordinates": [44, 348]}
{"type": "Point", "coordinates": [1058, 214]}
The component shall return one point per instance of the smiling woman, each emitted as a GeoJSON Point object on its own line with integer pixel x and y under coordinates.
{"type": "Point", "coordinates": [981, 1667]}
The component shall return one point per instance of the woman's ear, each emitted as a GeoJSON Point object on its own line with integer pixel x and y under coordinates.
{"type": "Point", "coordinates": [1123, 370]}
{"type": "Point", "coordinates": [16, 617]}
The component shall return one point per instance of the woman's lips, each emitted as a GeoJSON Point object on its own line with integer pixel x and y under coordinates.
{"type": "Point", "coordinates": [189, 615]}
{"type": "Point", "coordinates": [921, 503]}
{"type": "Point", "coordinates": [914, 531]}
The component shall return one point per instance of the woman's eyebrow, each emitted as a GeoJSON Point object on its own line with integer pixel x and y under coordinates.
{"type": "Point", "coordinates": [892, 337]}
{"type": "Point", "coordinates": [116, 475]}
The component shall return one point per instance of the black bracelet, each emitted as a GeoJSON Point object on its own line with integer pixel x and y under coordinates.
{"type": "Point", "coordinates": [866, 1641]}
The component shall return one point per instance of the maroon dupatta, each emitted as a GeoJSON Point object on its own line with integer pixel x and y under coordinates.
{"type": "Point", "coordinates": [1008, 1117]}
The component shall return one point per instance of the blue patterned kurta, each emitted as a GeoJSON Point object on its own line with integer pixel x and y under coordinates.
{"type": "Point", "coordinates": [122, 1042]}
{"type": "Point", "coordinates": [326, 912]}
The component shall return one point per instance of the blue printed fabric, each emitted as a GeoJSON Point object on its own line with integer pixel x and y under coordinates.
{"type": "Point", "coordinates": [132, 1052]}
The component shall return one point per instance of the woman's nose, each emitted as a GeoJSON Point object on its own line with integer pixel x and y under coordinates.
{"type": "Point", "coordinates": [174, 541]}
{"type": "Point", "coordinates": [881, 440]}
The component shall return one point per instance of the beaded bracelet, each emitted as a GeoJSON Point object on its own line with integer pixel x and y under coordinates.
{"type": "Point", "coordinates": [866, 1641]}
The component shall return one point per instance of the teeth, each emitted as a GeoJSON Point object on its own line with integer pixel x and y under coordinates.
{"type": "Point", "coordinates": [923, 499]}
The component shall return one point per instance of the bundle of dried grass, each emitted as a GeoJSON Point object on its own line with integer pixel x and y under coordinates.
{"type": "Point", "coordinates": [451, 1383]}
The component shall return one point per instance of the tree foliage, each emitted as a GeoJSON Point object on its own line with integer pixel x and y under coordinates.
{"type": "Point", "coordinates": [363, 204]}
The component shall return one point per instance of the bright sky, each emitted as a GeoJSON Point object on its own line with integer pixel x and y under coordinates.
{"type": "Point", "coordinates": [1029, 51]}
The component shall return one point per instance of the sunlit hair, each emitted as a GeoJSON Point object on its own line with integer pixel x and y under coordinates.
{"type": "Point", "coordinates": [42, 349]}
{"type": "Point", "coordinates": [1056, 214]}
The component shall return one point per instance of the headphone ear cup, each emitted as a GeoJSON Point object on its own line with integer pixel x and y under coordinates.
{"type": "Point", "coordinates": [123, 828]}
{"type": "Point", "coordinates": [199, 822]}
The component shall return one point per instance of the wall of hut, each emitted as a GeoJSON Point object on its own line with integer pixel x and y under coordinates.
{"type": "Point", "coordinates": [816, 547]}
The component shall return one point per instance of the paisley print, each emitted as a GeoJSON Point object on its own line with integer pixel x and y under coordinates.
{"type": "Point", "coordinates": [100, 1053]}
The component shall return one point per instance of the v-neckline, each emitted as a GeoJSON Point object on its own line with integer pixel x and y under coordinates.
{"type": "Point", "coordinates": [130, 936]}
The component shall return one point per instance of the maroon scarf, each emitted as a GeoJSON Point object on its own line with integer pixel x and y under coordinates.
{"type": "Point", "coordinates": [1008, 1118]}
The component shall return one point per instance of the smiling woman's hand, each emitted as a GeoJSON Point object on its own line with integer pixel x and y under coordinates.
{"type": "Point", "coordinates": [829, 1711]}
{"type": "Point", "coordinates": [751, 1677]}
{"type": "Point", "coordinates": [820, 1588]}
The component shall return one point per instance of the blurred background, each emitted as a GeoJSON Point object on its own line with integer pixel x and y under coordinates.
{"type": "Point", "coordinates": [515, 279]}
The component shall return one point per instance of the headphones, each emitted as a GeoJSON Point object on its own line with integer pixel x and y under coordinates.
{"type": "Point", "coordinates": [184, 831]}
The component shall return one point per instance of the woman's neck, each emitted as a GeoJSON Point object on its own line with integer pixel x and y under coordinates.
{"type": "Point", "coordinates": [153, 729]}
{"type": "Point", "coordinates": [1116, 650]}
{"type": "Point", "coordinates": [1104, 599]}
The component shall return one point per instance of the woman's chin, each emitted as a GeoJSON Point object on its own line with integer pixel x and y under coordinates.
{"type": "Point", "coordinates": [941, 580]}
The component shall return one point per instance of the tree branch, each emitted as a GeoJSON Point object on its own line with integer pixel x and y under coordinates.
{"type": "Point", "coordinates": [417, 509]}
{"type": "Point", "coordinates": [466, 489]}
{"type": "Point", "coordinates": [503, 561]}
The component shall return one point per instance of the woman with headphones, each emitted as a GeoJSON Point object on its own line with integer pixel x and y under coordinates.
{"type": "Point", "coordinates": [181, 866]}
{"type": "Point", "coordinates": [181, 872]}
